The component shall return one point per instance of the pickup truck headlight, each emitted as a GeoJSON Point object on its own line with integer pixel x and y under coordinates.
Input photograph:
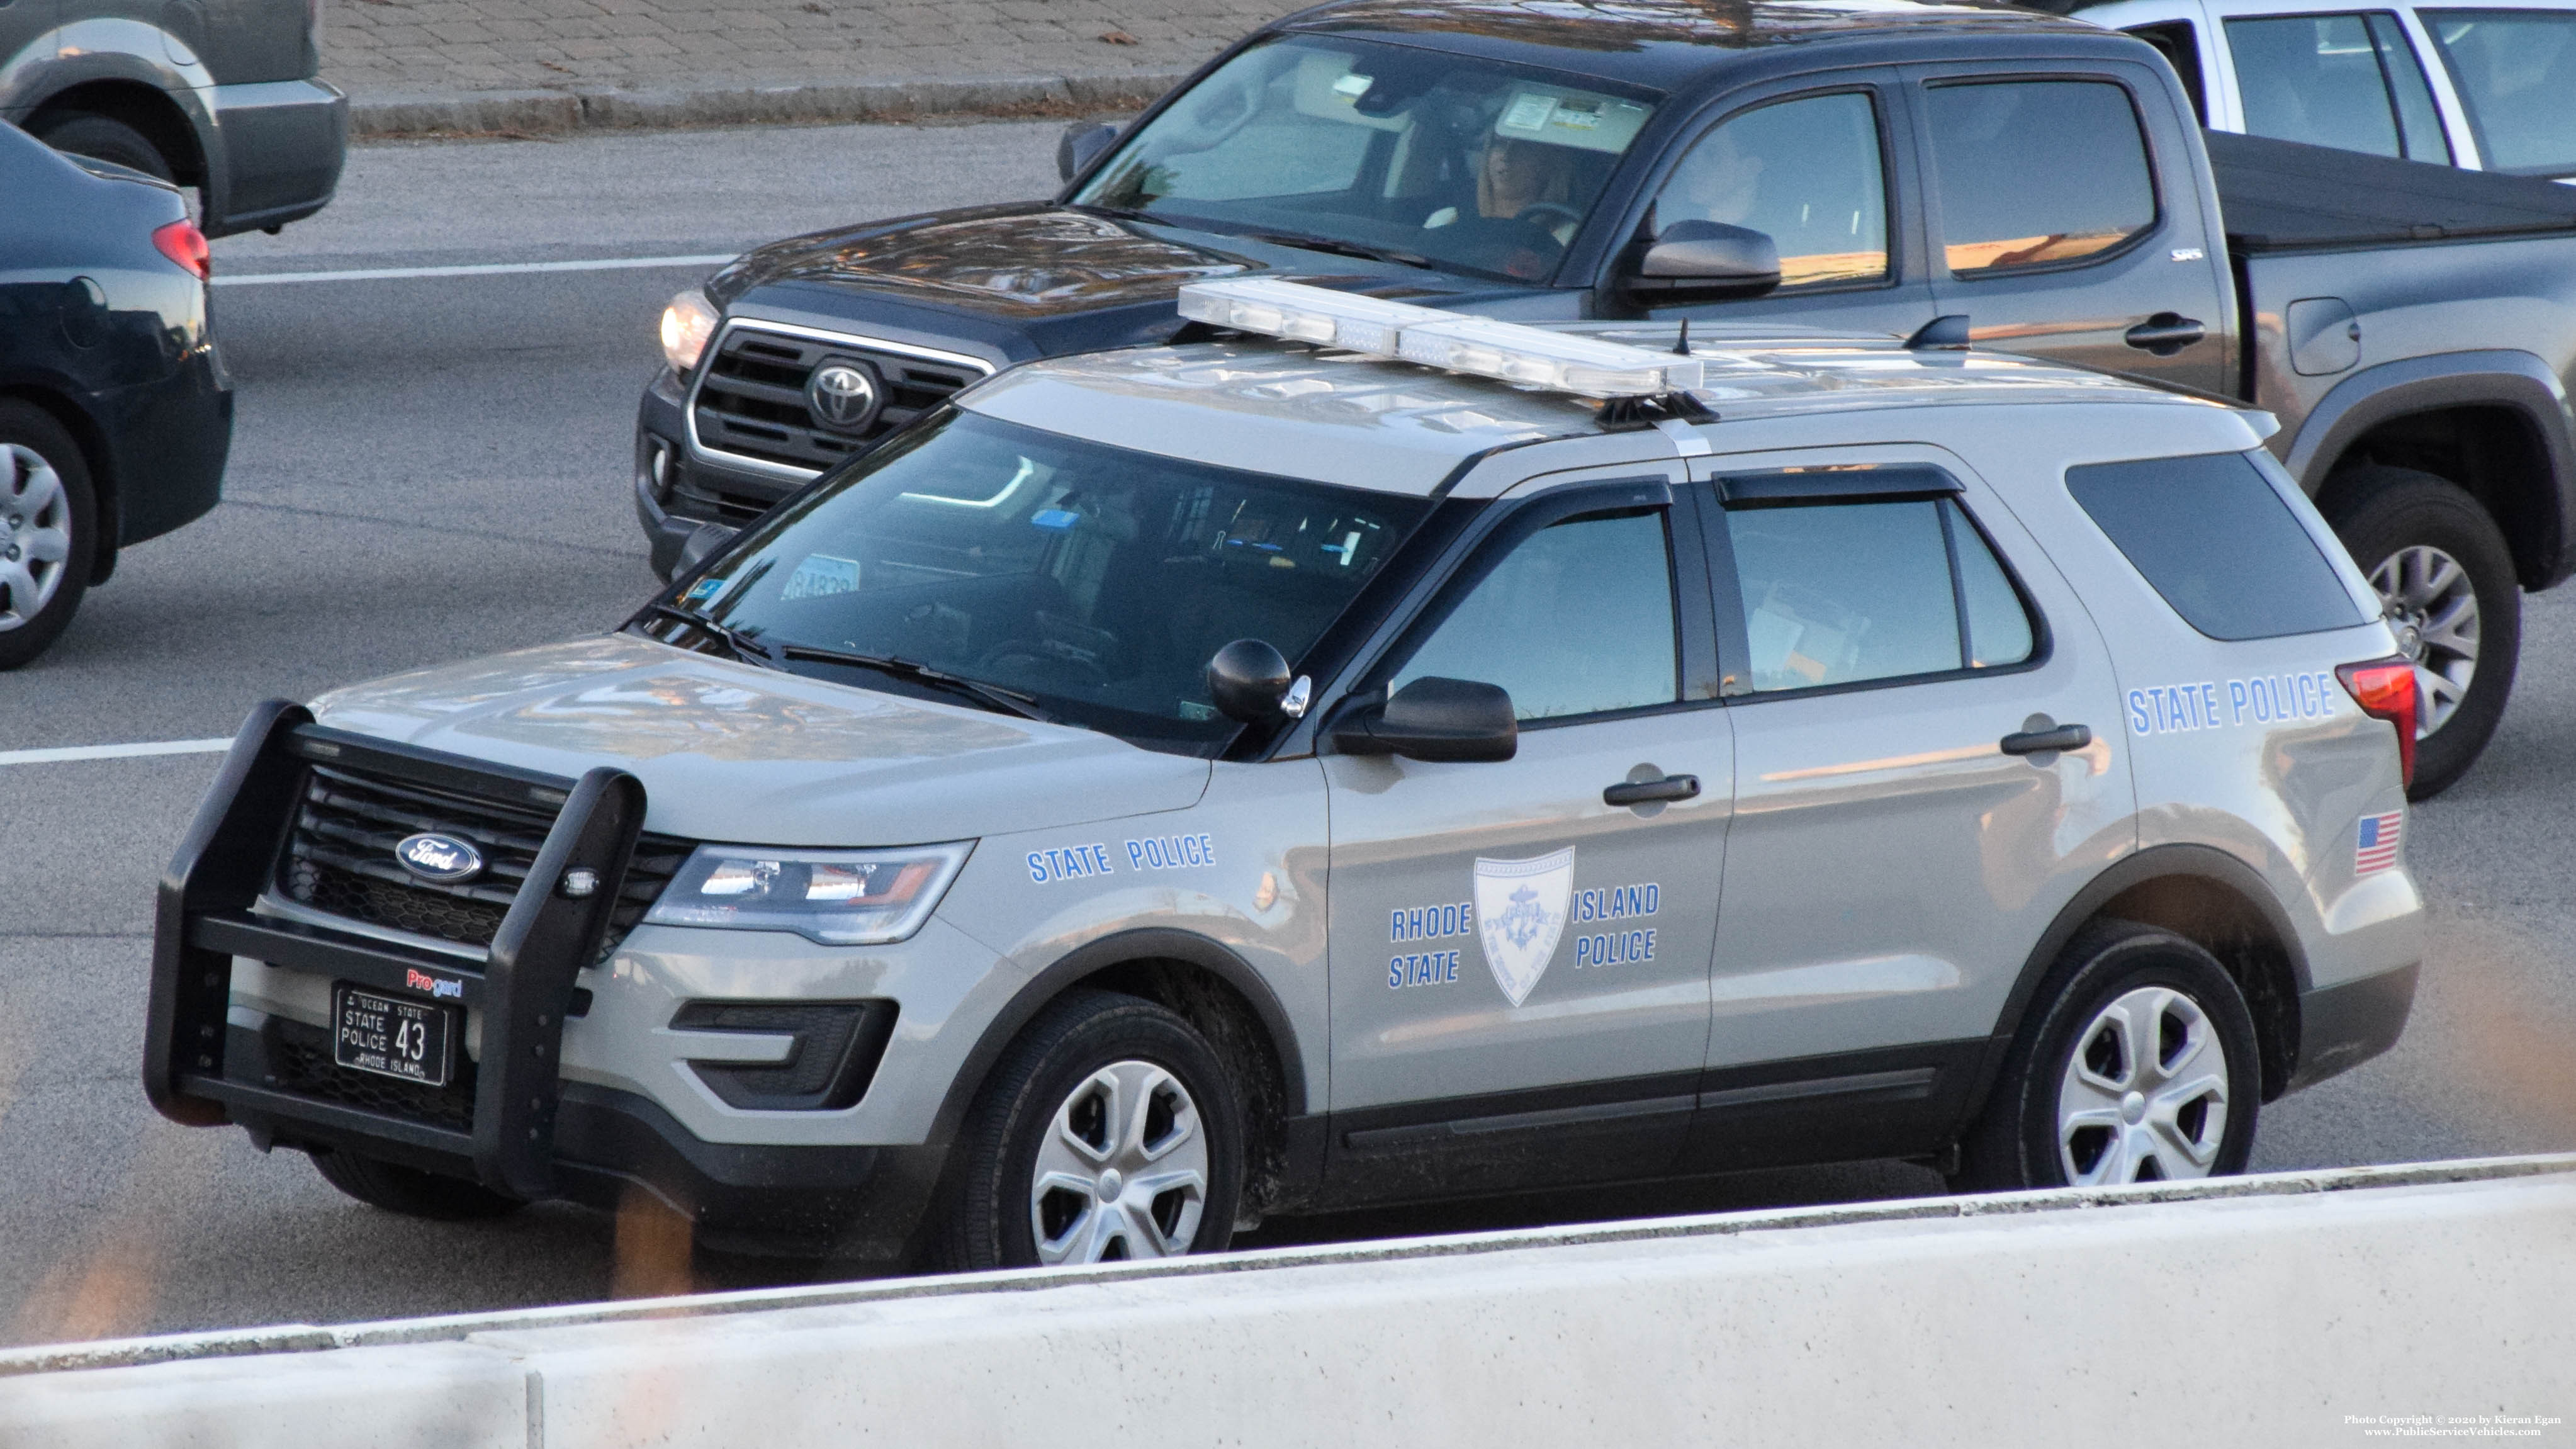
{"type": "Point", "coordinates": [687, 323]}
{"type": "Point", "coordinates": [834, 897]}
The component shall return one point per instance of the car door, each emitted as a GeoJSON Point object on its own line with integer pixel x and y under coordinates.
{"type": "Point", "coordinates": [1817, 171]}
{"type": "Point", "coordinates": [1519, 961]}
{"type": "Point", "coordinates": [1897, 654]}
{"type": "Point", "coordinates": [2067, 220]}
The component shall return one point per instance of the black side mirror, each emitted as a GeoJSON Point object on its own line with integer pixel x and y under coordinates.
{"type": "Point", "coordinates": [1435, 719]}
{"type": "Point", "coordinates": [1249, 681]}
{"type": "Point", "coordinates": [706, 540]}
{"type": "Point", "coordinates": [1707, 259]}
{"type": "Point", "coordinates": [1080, 145]}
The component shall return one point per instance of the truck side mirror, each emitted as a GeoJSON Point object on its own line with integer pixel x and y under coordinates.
{"type": "Point", "coordinates": [1249, 681]}
{"type": "Point", "coordinates": [707, 538]}
{"type": "Point", "coordinates": [1080, 145]}
{"type": "Point", "coordinates": [1697, 260]}
{"type": "Point", "coordinates": [1447, 720]}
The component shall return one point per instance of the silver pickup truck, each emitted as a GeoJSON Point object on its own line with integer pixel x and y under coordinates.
{"type": "Point", "coordinates": [1782, 163]}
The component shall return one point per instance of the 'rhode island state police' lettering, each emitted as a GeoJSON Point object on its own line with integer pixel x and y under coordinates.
{"type": "Point", "coordinates": [1430, 923]}
{"type": "Point", "coordinates": [2175, 709]}
{"type": "Point", "coordinates": [1074, 862]}
{"type": "Point", "coordinates": [1431, 968]}
{"type": "Point", "coordinates": [1614, 903]}
{"type": "Point", "coordinates": [1617, 948]}
{"type": "Point", "coordinates": [1171, 852]}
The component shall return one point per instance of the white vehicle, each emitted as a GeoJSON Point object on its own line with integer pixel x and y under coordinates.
{"type": "Point", "coordinates": [2489, 86]}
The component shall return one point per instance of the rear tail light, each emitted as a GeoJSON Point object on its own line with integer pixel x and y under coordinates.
{"type": "Point", "coordinates": [2385, 689]}
{"type": "Point", "coordinates": [181, 242]}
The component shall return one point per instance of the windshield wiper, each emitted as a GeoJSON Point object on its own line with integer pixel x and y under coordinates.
{"type": "Point", "coordinates": [1343, 248]}
{"type": "Point", "coordinates": [745, 647]}
{"type": "Point", "coordinates": [991, 696]}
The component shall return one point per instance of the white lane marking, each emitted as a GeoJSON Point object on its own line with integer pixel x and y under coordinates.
{"type": "Point", "coordinates": [114, 752]}
{"type": "Point", "coordinates": [478, 269]}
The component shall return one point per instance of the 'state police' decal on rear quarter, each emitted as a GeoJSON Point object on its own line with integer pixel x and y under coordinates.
{"type": "Point", "coordinates": [2177, 709]}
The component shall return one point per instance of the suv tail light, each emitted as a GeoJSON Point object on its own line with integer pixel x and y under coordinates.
{"type": "Point", "coordinates": [181, 242]}
{"type": "Point", "coordinates": [2385, 689]}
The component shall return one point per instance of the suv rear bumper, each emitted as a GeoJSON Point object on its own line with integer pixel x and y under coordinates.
{"type": "Point", "coordinates": [2342, 1026]}
{"type": "Point", "coordinates": [283, 144]}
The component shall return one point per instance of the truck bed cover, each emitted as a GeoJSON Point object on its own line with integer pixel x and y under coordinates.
{"type": "Point", "coordinates": [2282, 195]}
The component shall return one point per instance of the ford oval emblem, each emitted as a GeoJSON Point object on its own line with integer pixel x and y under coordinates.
{"type": "Point", "coordinates": [844, 395]}
{"type": "Point", "coordinates": [440, 858]}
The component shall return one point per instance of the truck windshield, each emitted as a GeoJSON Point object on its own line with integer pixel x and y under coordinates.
{"type": "Point", "coordinates": [1416, 155]}
{"type": "Point", "coordinates": [1076, 581]}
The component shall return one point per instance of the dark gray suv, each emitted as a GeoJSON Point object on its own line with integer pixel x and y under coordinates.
{"type": "Point", "coordinates": [219, 95]}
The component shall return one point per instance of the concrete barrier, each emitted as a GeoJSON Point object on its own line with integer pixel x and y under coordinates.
{"type": "Point", "coordinates": [2304, 1308]}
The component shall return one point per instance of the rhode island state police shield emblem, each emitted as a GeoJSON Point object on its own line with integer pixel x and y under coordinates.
{"type": "Point", "coordinates": [1520, 913]}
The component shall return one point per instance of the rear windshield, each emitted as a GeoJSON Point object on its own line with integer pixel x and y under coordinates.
{"type": "Point", "coordinates": [2215, 537]}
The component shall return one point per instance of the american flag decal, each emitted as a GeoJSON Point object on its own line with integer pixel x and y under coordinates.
{"type": "Point", "coordinates": [2375, 848]}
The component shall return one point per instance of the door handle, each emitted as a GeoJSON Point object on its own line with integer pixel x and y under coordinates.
{"type": "Point", "coordinates": [2040, 742]}
{"type": "Point", "coordinates": [2165, 334]}
{"type": "Point", "coordinates": [1646, 792]}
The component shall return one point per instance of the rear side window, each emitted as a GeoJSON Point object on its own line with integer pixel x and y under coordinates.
{"type": "Point", "coordinates": [2515, 71]}
{"type": "Point", "coordinates": [2037, 172]}
{"type": "Point", "coordinates": [2336, 80]}
{"type": "Point", "coordinates": [1845, 593]}
{"type": "Point", "coordinates": [2219, 542]}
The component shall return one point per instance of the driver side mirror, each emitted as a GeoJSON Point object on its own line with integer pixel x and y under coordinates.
{"type": "Point", "coordinates": [1080, 145]}
{"type": "Point", "coordinates": [1697, 260]}
{"type": "Point", "coordinates": [1435, 719]}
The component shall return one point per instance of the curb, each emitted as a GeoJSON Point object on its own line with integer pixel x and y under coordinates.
{"type": "Point", "coordinates": [551, 112]}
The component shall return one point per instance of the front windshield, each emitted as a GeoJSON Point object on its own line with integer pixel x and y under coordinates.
{"type": "Point", "coordinates": [1464, 163]}
{"type": "Point", "coordinates": [1094, 581]}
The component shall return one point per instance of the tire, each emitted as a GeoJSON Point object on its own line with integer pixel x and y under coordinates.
{"type": "Point", "coordinates": [102, 138]}
{"type": "Point", "coordinates": [1100, 1085]}
{"type": "Point", "coordinates": [2415, 536]}
{"type": "Point", "coordinates": [48, 531]}
{"type": "Point", "coordinates": [410, 1191]}
{"type": "Point", "coordinates": [2078, 1106]}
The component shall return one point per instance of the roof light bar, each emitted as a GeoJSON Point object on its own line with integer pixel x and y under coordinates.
{"type": "Point", "coordinates": [1451, 341]}
{"type": "Point", "coordinates": [1303, 314]}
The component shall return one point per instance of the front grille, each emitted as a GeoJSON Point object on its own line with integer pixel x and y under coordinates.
{"type": "Point", "coordinates": [300, 1055]}
{"type": "Point", "coordinates": [751, 401]}
{"type": "Point", "coordinates": [339, 859]}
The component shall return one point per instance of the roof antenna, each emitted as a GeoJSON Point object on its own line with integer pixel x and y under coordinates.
{"type": "Point", "coordinates": [1681, 345]}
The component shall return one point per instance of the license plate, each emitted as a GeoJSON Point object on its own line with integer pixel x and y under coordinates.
{"type": "Point", "coordinates": [391, 1037]}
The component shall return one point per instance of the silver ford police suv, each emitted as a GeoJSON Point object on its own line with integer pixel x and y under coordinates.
{"type": "Point", "coordinates": [1420, 756]}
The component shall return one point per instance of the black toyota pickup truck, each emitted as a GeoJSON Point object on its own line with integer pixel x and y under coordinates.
{"type": "Point", "coordinates": [1845, 166]}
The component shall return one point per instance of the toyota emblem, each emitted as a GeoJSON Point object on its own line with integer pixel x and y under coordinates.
{"type": "Point", "coordinates": [844, 395]}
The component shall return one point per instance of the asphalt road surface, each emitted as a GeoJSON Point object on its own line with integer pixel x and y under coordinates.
{"type": "Point", "coordinates": [427, 468]}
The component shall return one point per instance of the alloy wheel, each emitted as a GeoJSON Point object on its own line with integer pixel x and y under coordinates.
{"type": "Point", "coordinates": [2433, 605]}
{"type": "Point", "coordinates": [2144, 1097]}
{"type": "Point", "coordinates": [1122, 1171]}
{"type": "Point", "coordinates": [35, 533]}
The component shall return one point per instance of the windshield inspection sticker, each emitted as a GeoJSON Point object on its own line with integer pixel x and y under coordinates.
{"type": "Point", "coordinates": [2222, 704]}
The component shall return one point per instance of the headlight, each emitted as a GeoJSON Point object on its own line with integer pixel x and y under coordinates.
{"type": "Point", "coordinates": [687, 323]}
{"type": "Point", "coordinates": [836, 897]}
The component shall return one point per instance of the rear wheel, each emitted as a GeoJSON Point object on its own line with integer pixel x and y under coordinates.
{"type": "Point", "coordinates": [1108, 1131]}
{"type": "Point", "coordinates": [102, 138]}
{"type": "Point", "coordinates": [2139, 1065]}
{"type": "Point", "coordinates": [48, 531]}
{"type": "Point", "coordinates": [410, 1191]}
{"type": "Point", "coordinates": [2446, 578]}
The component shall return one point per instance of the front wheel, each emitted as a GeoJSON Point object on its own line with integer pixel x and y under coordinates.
{"type": "Point", "coordinates": [2139, 1065]}
{"type": "Point", "coordinates": [2446, 579]}
{"type": "Point", "coordinates": [1108, 1131]}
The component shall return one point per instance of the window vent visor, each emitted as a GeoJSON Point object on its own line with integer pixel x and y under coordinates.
{"type": "Point", "coordinates": [1855, 484]}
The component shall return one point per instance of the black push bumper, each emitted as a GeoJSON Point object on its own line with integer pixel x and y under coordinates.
{"type": "Point", "coordinates": [518, 997]}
